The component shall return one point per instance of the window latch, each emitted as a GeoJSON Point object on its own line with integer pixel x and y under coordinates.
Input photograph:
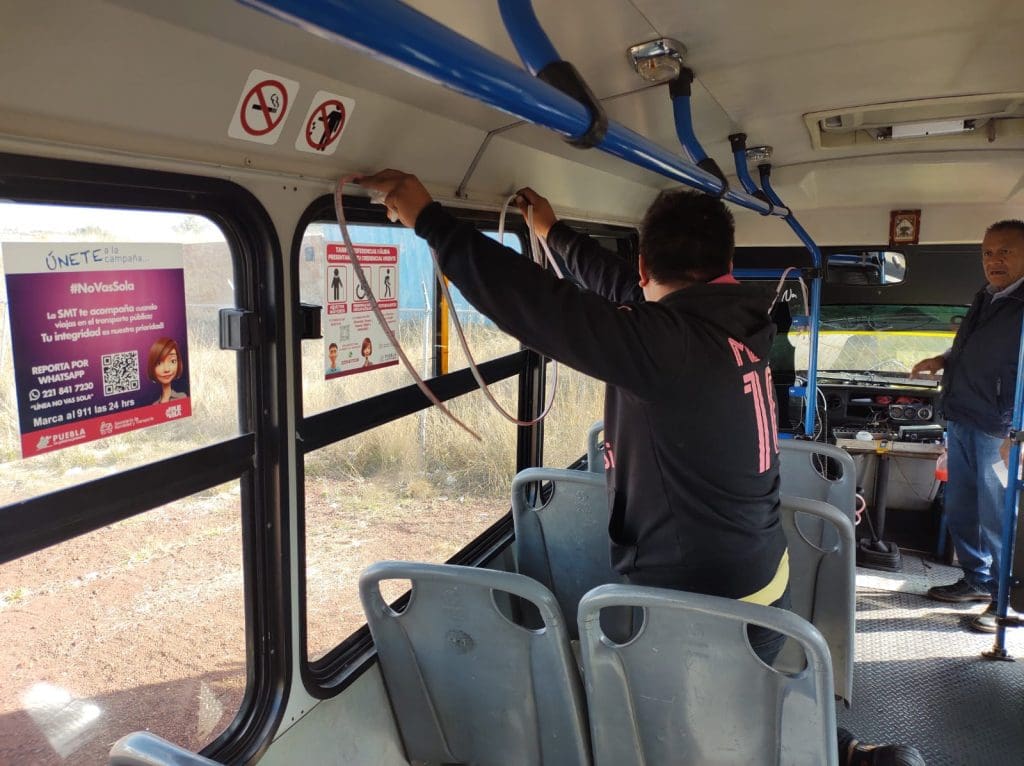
{"type": "Point", "coordinates": [239, 329]}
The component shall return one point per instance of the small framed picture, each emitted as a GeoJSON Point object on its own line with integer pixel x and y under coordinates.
{"type": "Point", "coordinates": [904, 227]}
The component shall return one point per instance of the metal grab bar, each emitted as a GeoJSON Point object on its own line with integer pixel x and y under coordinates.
{"type": "Point", "coordinates": [393, 32]}
{"type": "Point", "coordinates": [1013, 488]}
{"type": "Point", "coordinates": [765, 172]}
{"type": "Point", "coordinates": [532, 44]}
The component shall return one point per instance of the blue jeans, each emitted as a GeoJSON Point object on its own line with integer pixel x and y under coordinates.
{"type": "Point", "coordinates": [975, 498]}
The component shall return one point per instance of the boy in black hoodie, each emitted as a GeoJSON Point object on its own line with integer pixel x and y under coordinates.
{"type": "Point", "coordinates": [690, 423]}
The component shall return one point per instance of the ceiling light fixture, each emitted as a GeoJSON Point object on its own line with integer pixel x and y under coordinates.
{"type": "Point", "coordinates": [658, 60]}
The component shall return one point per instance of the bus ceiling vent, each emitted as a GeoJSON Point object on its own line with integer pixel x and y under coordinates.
{"type": "Point", "coordinates": [658, 60]}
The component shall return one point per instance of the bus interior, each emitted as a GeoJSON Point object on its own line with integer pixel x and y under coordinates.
{"type": "Point", "coordinates": [186, 555]}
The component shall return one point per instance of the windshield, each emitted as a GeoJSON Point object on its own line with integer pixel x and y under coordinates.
{"type": "Point", "coordinates": [868, 338]}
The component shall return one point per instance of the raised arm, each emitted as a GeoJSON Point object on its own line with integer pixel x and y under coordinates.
{"type": "Point", "coordinates": [606, 273]}
{"type": "Point", "coordinates": [552, 316]}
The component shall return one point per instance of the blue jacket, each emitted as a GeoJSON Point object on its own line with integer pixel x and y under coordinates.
{"type": "Point", "coordinates": [980, 375]}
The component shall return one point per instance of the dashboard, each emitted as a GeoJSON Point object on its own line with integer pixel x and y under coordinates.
{"type": "Point", "coordinates": [885, 408]}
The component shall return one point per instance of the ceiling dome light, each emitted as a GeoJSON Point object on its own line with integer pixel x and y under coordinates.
{"type": "Point", "coordinates": [658, 60]}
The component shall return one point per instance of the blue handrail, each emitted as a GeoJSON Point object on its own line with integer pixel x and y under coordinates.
{"type": "Point", "coordinates": [815, 307]}
{"type": "Point", "coordinates": [684, 129]}
{"type": "Point", "coordinates": [532, 44]}
{"type": "Point", "coordinates": [393, 32]}
{"type": "Point", "coordinates": [1013, 488]}
{"type": "Point", "coordinates": [742, 173]}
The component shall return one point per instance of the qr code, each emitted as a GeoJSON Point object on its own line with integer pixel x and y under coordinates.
{"type": "Point", "coordinates": [343, 332]}
{"type": "Point", "coordinates": [120, 373]}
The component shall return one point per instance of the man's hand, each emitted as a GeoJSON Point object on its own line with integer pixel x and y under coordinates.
{"type": "Point", "coordinates": [931, 365]}
{"type": "Point", "coordinates": [543, 216]}
{"type": "Point", "coordinates": [404, 195]}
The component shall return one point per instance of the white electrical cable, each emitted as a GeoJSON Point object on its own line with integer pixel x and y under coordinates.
{"type": "Point", "coordinates": [358, 269]}
{"type": "Point", "coordinates": [534, 237]}
{"type": "Point", "coordinates": [474, 370]}
{"type": "Point", "coordinates": [462, 337]}
{"type": "Point", "coordinates": [803, 289]}
{"type": "Point", "coordinates": [862, 504]}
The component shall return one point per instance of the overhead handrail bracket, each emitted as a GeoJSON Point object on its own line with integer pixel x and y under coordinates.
{"type": "Point", "coordinates": [738, 142]}
{"type": "Point", "coordinates": [680, 90]}
{"type": "Point", "coordinates": [564, 76]}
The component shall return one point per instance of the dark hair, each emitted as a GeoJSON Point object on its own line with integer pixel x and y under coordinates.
{"type": "Point", "coordinates": [366, 343]}
{"type": "Point", "coordinates": [687, 236]}
{"type": "Point", "coordinates": [158, 351]}
{"type": "Point", "coordinates": [1010, 224]}
{"type": "Point", "coordinates": [334, 346]}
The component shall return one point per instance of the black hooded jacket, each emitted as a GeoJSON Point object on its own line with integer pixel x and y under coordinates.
{"type": "Point", "coordinates": [691, 450]}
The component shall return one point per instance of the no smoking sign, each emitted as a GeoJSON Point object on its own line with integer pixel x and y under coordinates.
{"type": "Point", "coordinates": [263, 107]}
{"type": "Point", "coordinates": [326, 119]}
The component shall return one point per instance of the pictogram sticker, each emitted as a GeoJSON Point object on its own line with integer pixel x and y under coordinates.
{"type": "Point", "coordinates": [263, 107]}
{"type": "Point", "coordinates": [325, 121]}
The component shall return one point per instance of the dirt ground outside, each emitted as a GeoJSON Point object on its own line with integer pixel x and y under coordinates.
{"type": "Point", "coordinates": [140, 625]}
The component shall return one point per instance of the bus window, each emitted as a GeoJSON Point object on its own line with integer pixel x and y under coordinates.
{"type": "Point", "coordinates": [138, 625]}
{"type": "Point", "coordinates": [484, 339]}
{"type": "Point", "coordinates": [416, 489]}
{"type": "Point", "coordinates": [579, 402]}
{"type": "Point", "coordinates": [114, 619]}
{"type": "Point", "coordinates": [48, 396]}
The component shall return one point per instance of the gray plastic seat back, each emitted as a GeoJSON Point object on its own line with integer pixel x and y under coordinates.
{"type": "Point", "coordinates": [563, 544]}
{"type": "Point", "coordinates": [687, 688]}
{"type": "Point", "coordinates": [802, 469]}
{"type": "Point", "coordinates": [141, 748]}
{"type": "Point", "coordinates": [822, 583]}
{"type": "Point", "coordinates": [466, 684]}
{"type": "Point", "coordinates": [595, 439]}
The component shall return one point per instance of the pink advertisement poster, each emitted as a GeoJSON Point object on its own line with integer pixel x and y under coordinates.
{"type": "Point", "coordinates": [354, 341]}
{"type": "Point", "coordinates": [99, 337]}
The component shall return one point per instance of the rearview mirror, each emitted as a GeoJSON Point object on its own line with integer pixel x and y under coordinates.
{"type": "Point", "coordinates": [872, 267]}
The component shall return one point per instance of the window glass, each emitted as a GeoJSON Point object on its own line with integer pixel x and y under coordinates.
{"type": "Point", "coordinates": [138, 625]}
{"type": "Point", "coordinates": [579, 403]}
{"type": "Point", "coordinates": [885, 339]}
{"type": "Point", "coordinates": [108, 286]}
{"type": "Point", "coordinates": [483, 337]}
{"type": "Point", "coordinates": [417, 489]}
{"type": "Point", "coordinates": [415, 295]}
{"type": "Point", "coordinates": [416, 286]}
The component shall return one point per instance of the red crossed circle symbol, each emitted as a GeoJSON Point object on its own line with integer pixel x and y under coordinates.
{"type": "Point", "coordinates": [272, 115]}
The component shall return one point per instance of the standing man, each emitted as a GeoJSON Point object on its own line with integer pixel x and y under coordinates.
{"type": "Point", "coordinates": [977, 400]}
{"type": "Point", "coordinates": [693, 469]}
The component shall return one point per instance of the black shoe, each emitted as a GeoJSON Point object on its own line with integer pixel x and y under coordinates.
{"type": "Point", "coordinates": [854, 753]}
{"type": "Point", "coordinates": [986, 621]}
{"type": "Point", "coordinates": [959, 591]}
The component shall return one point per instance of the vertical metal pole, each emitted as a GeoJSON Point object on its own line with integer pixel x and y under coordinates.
{"type": "Point", "coordinates": [426, 361]}
{"type": "Point", "coordinates": [1010, 506]}
{"type": "Point", "coordinates": [815, 308]}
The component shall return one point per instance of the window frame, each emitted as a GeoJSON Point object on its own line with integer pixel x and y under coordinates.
{"type": "Point", "coordinates": [253, 458]}
{"type": "Point", "coordinates": [342, 665]}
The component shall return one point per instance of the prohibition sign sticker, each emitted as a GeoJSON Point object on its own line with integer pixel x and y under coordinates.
{"type": "Point", "coordinates": [325, 121]}
{"type": "Point", "coordinates": [263, 107]}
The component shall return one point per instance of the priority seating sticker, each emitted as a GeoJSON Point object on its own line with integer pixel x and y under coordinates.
{"type": "Point", "coordinates": [263, 107]}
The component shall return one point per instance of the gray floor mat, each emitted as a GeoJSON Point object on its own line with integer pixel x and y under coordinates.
{"type": "Point", "coordinates": [919, 677]}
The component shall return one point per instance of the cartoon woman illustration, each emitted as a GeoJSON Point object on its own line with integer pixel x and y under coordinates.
{"type": "Point", "coordinates": [366, 351]}
{"type": "Point", "coordinates": [165, 365]}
